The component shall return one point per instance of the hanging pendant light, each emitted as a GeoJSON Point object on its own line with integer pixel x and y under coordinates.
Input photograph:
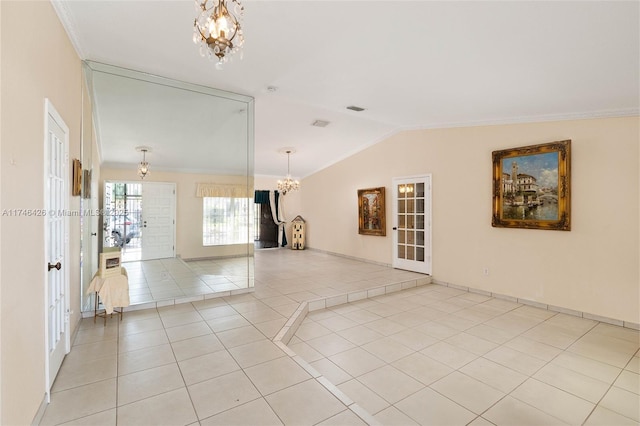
{"type": "Point", "coordinates": [288, 184]}
{"type": "Point", "coordinates": [143, 166]}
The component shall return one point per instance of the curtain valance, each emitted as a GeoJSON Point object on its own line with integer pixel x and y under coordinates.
{"type": "Point", "coordinates": [221, 190]}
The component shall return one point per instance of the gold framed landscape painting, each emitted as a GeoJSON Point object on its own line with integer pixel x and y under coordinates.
{"type": "Point", "coordinates": [532, 187]}
{"type": "Point", "coordinates": [371, 217]}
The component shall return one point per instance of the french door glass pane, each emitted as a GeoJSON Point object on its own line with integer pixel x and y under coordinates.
{"type": "Point", "coordinates": [410, 220]}
{"type": "Point", "coordinates": [410, 255]}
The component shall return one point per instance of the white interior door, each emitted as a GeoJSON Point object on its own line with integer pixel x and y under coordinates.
{"type": "Point", "coordinates": [412, 223]}
{"type": "Point", "coordinates": [158, 220]}
{"type": "Point", "coordinates": [56, 190]}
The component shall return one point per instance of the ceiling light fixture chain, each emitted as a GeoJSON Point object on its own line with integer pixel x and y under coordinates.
{"type": "Point", "coordinates": [288, 184]}
{"type": "Point", "coordinates": [218, 30]}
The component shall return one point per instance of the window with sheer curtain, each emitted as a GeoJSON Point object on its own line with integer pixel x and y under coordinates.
{"type": "Point", "coordinates": [225, 220]}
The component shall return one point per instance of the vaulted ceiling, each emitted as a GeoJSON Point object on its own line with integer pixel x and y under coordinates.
{"type": "Point", "coordinates": [410, 64]}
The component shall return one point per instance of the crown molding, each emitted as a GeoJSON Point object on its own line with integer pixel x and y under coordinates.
{"type": "Point", "coordinates": [612, 113]}
{"type": "Point", "coordinates": [67, 22]}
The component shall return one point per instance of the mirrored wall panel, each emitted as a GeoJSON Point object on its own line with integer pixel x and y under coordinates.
{"type": "Point", "coordinates": [169, 183]}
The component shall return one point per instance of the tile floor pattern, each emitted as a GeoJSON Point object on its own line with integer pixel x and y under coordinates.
{"type": "Point", "coordinates": [430, 355]}
{"type": "Point", "coordinates": [154, 280]}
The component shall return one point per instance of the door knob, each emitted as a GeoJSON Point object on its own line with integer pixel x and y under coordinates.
{"type": "Point", "coordinates": [57, 266]}
{"type": "Point", "coordinates": [93, 234]}
{"type": "Point", "coordinates": [395, 229]}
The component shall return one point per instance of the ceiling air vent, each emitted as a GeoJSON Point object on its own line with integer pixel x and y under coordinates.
{"type": "Point", "coordinates": [355, 108]}
{"type": "Point", "coordinates": [320, 123]}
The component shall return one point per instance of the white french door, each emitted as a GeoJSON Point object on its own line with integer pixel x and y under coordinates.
{"type": "Point", "coordinates": [412, 223]}
{"type": "Point", "coordinates": [158, 220]}
{"type": "Point", "coordinates": [56, 194]}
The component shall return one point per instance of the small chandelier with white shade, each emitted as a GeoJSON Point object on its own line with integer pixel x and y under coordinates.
{"type": "Point", "coordinates": [288, 184]}
{"type": "Point", "coordinates": [143, 166]}
{"type": "Point", "coordinates": [218, 30]}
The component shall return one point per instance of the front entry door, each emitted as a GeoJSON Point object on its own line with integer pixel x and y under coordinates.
{"type": "Point", "coordinates": [56, 173]}
{"type": "Point", "coordinates": [158, 220]}
{"type": "Point", "coordinates": [412, 223]}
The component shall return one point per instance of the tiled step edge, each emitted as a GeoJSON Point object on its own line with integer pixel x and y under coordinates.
{"type": "Point", "coordinates": [559, 309]}
{"type": "Point", "coordinates": [289, 329]}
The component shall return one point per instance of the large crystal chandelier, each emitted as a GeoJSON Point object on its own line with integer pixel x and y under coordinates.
{"type": "Point", "coordinates": [288, 184]}
{"type": "Point", "coordinates": [218, 30]}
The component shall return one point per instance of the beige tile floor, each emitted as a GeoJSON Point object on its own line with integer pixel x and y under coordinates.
{"type": "Point", "coordinates": [156, 280]}
{"type": "Point", "coordinates": [430, 355]}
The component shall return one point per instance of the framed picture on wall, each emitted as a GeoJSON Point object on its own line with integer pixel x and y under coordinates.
{"type": "Point", "coordinates": [532, 187]}
{"type": "Point", "coordinates": [371, 217]}
{"type": "Point", "coordinates": [76, 176]}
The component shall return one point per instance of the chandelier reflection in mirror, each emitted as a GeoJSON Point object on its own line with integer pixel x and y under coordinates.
{"type": "Point", "coordinates": [143, 166]}
{"type": "Point", "coordinates": [288, 184]}
{"type": "Point", "coordinates": [218, 30]}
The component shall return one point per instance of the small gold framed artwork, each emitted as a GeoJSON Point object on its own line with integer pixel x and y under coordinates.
{"type": "Point", "coordinates": [371, 217]}
{"type": "Point", "coordinates": [76, 177]}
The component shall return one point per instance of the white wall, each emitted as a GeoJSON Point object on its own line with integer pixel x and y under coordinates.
{"type": "Point", "coordinates": [35, 65]}
{"type": "Point", "coordinates": [593, 268]}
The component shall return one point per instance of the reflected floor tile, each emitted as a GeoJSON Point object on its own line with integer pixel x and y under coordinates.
{"type": "Point", "coordinates": [344, 418]}
{"type": "Point", "coordinates": [495, 375]}
{"type": "Point", "coordinates": [553, 401]}
{"type": "Point", "coordinates": [142, 359]}
{"type": "Point", "coordinates": [188, 331]}
{"type": "Point", "coordinates": [196, 346]}
{"type": "Point", "coordinates": [80, 402]}
{"type": "Point", "coordinates": [515, 360]}
{"type": "Point", "coordinates": [470, 393]}
{"type": "Point", "coordinates": [171, 408]}
{"type": "Point", "coordinates": [331, 371]}
{"type": "Point", "coordinates": [104, 418]}
{"type": "Point", "coordinates": [420, 407]}
{"type": "Point", "coordinates": [330, 344]}
{"type": "Point", "coordinates": [450, 355]}
{"type": "Point", "coordinates": [510, 411]}
{"type": "Point", "coordinates": [222, 393]}
{"type": "Point", "coordinates": [387, 349]}
{"type": "Point", "coordinates": [305, 403]}
{"type": "Point", "coordinates": [390, 383]}
{"type": "Point", "coordinates": [393, 416]}
{"type": "Point", "coordinates": [143, 384]}
{"type": "Point", "coordinates": [356, 361]}
{"type": "Point", "coordinates": [207, 367]}
{"type": "Point", "coordinates": [622, 402]}
{"type": "Point", "coordinates": [79, 372]}
{"type": "Point", "coordinates": [587, 366]}
{"type": "Point", "coordinates": [604, 417]}
{"type": "Point", "coordinates": [363, 396]}
{"type": "Point", "coordinates": [570, 381]}
{"type": "Point", "coordinates": [255, 413]}
{"type": "Point", "coordinates": [276, 374]}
